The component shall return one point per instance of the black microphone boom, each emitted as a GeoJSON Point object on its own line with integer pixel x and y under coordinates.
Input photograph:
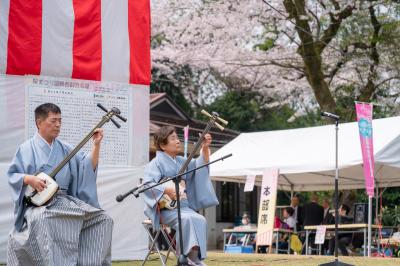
{"type": "Point", "coordinates": [330, 115]}
{"type": "Point", "coordinates": [121, 197]}
{"type": "Point", "coordinates": [139, 188]}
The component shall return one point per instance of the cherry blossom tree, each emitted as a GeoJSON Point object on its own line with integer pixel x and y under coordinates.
{"type": "Point", "coordinates": [312, 52]}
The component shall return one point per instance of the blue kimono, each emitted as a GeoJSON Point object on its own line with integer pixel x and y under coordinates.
{"type": "Point", "coordinates": [199, 192]}
{"type": "Point", "coordinates": [65, 219]}
{"type": "Point", "coordinates": [36, 155]}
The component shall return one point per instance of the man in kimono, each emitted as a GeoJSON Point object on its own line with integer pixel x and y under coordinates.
{"type": "Point", "coordinates": [196, 193]}
{"type": "Point", "coordinates": [70, 229]}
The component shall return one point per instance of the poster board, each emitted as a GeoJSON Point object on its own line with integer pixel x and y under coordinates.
{"type": "Point", "coordinates": [320, 234]}
{"type": "Point", "coordinates": [78, 100]}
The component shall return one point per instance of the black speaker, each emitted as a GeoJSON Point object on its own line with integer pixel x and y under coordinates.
{"type": "Point", "coordinates": [361, 213]}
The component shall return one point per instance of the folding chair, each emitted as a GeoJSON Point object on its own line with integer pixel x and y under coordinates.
{"type": "Point", "coordinates": [154, 236]}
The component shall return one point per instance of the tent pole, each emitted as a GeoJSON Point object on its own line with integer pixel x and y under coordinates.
{"type": "Point", "coordinates": [369, 224]}
{"type": "Point", "coordinates": [291, 191]}
{"type": "Point", "coordinates": [377, 196]}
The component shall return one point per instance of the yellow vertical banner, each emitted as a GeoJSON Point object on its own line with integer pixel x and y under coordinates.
{"type": "Point", "coordinates": [266, 212]}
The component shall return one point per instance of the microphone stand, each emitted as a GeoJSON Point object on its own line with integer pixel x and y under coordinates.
{"type": "Point", "coordinates": [182, 260]}
{"type": "Point", "coordinates": [336, 262]}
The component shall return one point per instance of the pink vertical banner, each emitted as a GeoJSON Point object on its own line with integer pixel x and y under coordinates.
{"type": "Point", "coordinates": [364, 119]}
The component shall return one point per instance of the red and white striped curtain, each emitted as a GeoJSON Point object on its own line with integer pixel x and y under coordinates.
{"type": "Point", "coordinates": [107, 40]}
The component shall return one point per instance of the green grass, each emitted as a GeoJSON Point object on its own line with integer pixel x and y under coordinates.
{"type": "Point", "coordinates": [217, 258]}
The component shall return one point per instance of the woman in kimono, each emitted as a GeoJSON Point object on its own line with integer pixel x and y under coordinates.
{"type": "Point", "coordinates": [196, 192]}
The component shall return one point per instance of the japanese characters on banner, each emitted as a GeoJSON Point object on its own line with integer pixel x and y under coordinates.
{"type": "Point", "coordinates": [266, 213]}
{"type": "Point", "coordinates": [364, 119]}
{"type": "Point", "coordinates": [249, 186]}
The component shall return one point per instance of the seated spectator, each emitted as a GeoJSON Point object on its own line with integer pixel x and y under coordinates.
{"type": "Point", "coordinates": [288, 222]}
{"type": "Point", "coordinates": [344, 238]}
{"type": "Point", "coordinates": [245, 225]}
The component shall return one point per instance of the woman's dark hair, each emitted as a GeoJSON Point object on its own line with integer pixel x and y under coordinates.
{"type": "Point", "coordinates": [346, 208]}
{"type": "Point", "coordinates": [161, 136]}
{"type": "Point", "coordinates": [43, 110]}
{"type": "Point", "coordinates": [290, 211]}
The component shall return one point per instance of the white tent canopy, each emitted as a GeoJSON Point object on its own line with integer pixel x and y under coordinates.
{"type": "Point", "coordinates": [306, 156]}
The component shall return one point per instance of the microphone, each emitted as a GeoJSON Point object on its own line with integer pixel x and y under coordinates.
{"type": "Point", "coordinates": [121, 197]}
{"type": "Point", "coordinates": [330, 115]}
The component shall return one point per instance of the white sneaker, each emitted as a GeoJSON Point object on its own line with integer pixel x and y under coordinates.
{"type": "Point", "coordinates": [199, 263]}
{"type": "Point", "coordinates": [190, 262]}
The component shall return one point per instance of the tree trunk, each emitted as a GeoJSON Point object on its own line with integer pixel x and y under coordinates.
{"type": "Point", "coordinates": [311, 58]}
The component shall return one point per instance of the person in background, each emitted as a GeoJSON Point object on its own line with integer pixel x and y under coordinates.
{"type": "Point", "coordinates": [288, 223]}
{"type": "Point", "coordinates": [344, 238]}
{"type": "Point", "coordinates": [288, 215]}
{"type": "Point", "coordinates": [313, 212]}
{"type": "Point", "coordinates": [298, 212]}
{"type": "Point", "coordinates": [328, 217]}
{"type": "Point", "coordinates": [246, 225]}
